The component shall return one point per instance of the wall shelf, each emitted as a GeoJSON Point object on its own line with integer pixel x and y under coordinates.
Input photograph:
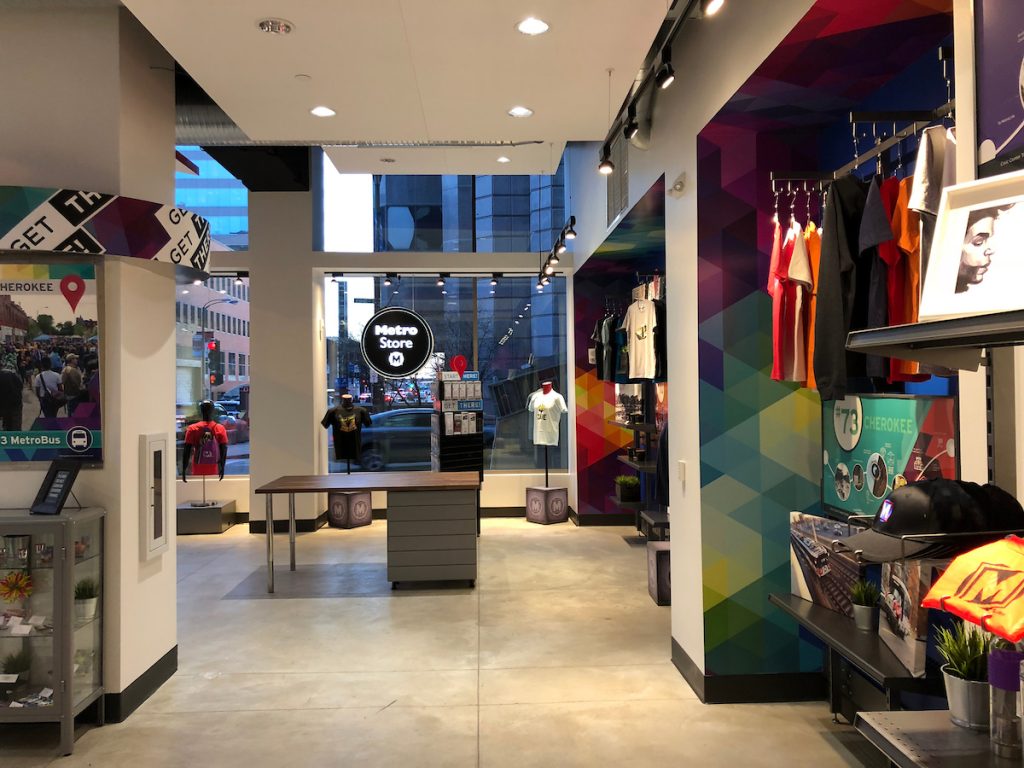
{"type": "Point", "coordinates": [649, 428]}
{"type": "Point", "coordinates": [956, 343]}
{"type": "Point", "coordinates": [646, 466]}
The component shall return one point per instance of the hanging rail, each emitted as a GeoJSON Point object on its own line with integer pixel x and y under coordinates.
{"type": "Point", "coordinates": [920, 121]}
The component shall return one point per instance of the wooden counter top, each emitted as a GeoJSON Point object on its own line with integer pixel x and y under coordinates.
{"type": "Point", "coordinates": [374, 481]}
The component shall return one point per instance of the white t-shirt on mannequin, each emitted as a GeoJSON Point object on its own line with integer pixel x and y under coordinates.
{"type": "Point", "coordinates": [547, 411]}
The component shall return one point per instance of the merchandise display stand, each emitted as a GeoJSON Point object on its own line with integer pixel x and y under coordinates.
{"type": "Point", "coordinates": [546, 505]}
{"type": "Point", "coordinates": [927, 739]}
{"type": "Point", "coordinates": [457, 438]}
{"type": "Point", "coordinates": [653, 524]}
{"type": "Point", "coordinates": [862, 672]}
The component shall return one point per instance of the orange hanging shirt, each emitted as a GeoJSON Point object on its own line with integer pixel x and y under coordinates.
{"type": "Point", "coordinates": [906, 226]}
{"type": "Point", "coordinates": [812, 235]}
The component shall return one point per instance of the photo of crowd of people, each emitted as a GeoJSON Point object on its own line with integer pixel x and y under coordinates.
{"type": "Point", "coordinates": [49, 362]}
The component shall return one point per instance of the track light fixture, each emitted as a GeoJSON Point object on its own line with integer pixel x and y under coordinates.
{"type": "Point", "coordinates": [553, 258]}
{"type": "Point", "coordinates": [494, 279]}
{"type": "Point", "coordinates": [440, 279]}
{"type": "Point", "coordinates": [238, 280]}
{"type": "Point", "coordinates": [711, 7]}
{"type": "Point", "coordinates": [549, 268]}
{"type": "Point", "coordinates": [632, 127]}
{"type": "Point", "coordinates": [560, 248]}
{"type": "Point", "coordinates": [545, 280]}
{"type": "Point", "coordinates": [388, 279]}
{"type": "Point", "coordinates": [666, 75]}
{"type": "Point", "coordinates": [570, 233]}
{"type": "Point", "coordinates": [606, 166]}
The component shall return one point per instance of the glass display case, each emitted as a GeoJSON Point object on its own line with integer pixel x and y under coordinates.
{"type": "Point", "coordinates": [51, 617]}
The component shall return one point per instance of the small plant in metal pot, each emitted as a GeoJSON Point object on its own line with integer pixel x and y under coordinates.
{"type": "Point", "coordinates": [87, 594]}
{"type": "Point", "coordinates": [627, 488]}
{"type": "Point", "coordinates": [17, 664]}
{"type": "Point", "coordinates": [865, 596]}
{"type": "Point", "coordinates": [965, 650]}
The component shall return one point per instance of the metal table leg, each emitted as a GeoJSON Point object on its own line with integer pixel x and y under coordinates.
{"type": "Point", "coordinates": [291, 531]}
{"type": "Point", "coordinates": [270, 543]}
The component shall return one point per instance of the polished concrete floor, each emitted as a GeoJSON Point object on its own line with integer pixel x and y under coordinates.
{"type": "Point", "coordinates": [557, 658]}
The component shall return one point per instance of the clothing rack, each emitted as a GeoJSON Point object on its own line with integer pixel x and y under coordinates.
{"type": "Point", "coordinates": [919, 120]}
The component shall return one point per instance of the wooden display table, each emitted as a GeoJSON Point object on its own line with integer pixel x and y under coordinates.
{"type": "Point", "coordinates": [433, 501]}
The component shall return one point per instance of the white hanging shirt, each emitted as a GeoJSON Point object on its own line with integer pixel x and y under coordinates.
{"type": "Point", "coordinates": [547, 411]}
{"type": "Point", "coordinates": [639, 325]}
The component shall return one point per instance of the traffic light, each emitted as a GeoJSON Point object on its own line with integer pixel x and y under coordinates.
{"type": "Point", "coordinates": [215, 362]}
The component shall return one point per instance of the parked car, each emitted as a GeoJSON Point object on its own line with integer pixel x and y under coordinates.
{"type": "Point", "coordinates": [402, 437]}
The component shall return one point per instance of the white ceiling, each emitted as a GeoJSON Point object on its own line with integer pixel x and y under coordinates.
{"type": "Point", "coordinates": [413, 71]}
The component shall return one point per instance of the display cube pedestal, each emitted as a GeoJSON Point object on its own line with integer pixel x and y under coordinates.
{"type": "Point", "coordinates": [349, 509]}
{"type": "Point", "coordinates": [547, 505]}
{"type": "Point", "coordinates": [216, 517]}
{"type": "Point", "coordinates": [659, 573]}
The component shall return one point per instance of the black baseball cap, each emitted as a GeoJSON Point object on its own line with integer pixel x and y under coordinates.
{"type": "Point", "coordinates": [930, 509]}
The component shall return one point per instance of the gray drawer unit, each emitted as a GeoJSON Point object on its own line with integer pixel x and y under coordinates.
{"type": "Point", "coordinates": [415, 514]}
{"type": "Point", "coordinates": [432, 536]}
{"type": "Point", "coordinates": [433, 557]}
{"type": "Point", "coordinates": [410, 543]}
{"type": "Point", "coordinates": [397, 573]}
{"type": "Point", "coordinates": [431, 498]}
{"type": "Point", "coordinates": [431, 527]}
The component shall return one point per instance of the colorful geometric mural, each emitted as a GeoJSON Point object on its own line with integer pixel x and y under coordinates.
{"type": "Point", "coordinates": [761, 439]}
{"type": "Point", "coordinates": [636, 246]}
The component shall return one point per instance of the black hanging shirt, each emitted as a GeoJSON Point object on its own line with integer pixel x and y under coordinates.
{"type": "Point", "coordinates": [347, 425]}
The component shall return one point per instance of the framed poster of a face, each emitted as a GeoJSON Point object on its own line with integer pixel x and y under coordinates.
{"type": "Point", "coordinates": [976, 265]}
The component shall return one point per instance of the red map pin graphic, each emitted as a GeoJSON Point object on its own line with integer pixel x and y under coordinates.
{"type": "Point", "coordinates": [73, 288]}
{"type": "Point", "coordinates": [459, 364]}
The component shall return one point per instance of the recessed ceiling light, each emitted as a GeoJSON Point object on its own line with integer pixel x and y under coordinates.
{"type": "Point", "coordinates": [532, 26]}
{"type": "Point", "coordinates": [504, 159]}
{"type": "Point", "coordinates": [322, 111]}
{"type": "Point", "coordinates": [711, 7]}
{"type": "Point", "coordinates": [519, 111]}
{"type": "Point", "coordinates": [275, 26]}
{"type": "Point", "coordinates": [303, 77]}
{"type": "Point", "coordinates": [387, 159]}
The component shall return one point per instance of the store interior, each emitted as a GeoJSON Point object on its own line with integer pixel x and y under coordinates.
{"type": "Point", "coordinates": [418, 489]}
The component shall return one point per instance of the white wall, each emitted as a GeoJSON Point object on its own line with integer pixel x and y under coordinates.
{"type": "Point", "coordinates": [95, 111]}
{"type": "Point", "coordinates": [713, 58]}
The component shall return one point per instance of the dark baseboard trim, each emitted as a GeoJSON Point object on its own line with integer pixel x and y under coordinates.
{"type": "Point", "coordinates": [118, 706]}
{"type": "Point", "coordinates": [615, 518]}
{"type": "Point", "coordinates": [257, 525]}
{"type": "Point", "coordinates": [503, 512]}
{"type": "Point", "coordinates": [748, 689]}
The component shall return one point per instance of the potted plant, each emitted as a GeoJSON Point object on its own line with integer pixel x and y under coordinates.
{"type": "Point", "coordinates": [627, 488]}
{"type": "Point", "coordinates": [865, 595]}
{"type": "Point", "coordinates": [18, 664]}
{"type": "Point", "coordinates": [965, 651]}
{"type": "Point", "coordinates": [87, 595]}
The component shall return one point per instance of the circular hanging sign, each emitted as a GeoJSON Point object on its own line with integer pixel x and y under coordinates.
{"type": "Point", "coordinates": [397, 342]}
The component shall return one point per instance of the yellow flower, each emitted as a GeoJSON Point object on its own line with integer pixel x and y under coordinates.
{"type": "Point", "coordinates": [16, 585]}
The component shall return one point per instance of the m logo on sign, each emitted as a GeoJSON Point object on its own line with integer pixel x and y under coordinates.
{"type": "Point", "coordinates": [396, 359]}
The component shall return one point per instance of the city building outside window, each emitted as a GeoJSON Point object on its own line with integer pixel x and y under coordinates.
{"type": "Point", "coordinates": [205, 312]}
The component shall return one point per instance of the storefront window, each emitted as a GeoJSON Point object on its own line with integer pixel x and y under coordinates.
{"type": "Point", "coordinates": [212, 344]}
{"type": "Point", "coordinates": [487, 214]}
{"type": "Point", "coordinates": [513, 335]}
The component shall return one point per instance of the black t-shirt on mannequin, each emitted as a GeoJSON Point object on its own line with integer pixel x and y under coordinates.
{"type": "Point", "coordinates": [346, 422]}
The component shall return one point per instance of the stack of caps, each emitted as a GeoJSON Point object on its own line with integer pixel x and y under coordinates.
{"type": "Point", "coordinates": [944, 517]}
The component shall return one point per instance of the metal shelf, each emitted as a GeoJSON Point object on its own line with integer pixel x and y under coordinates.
{"type": "Point", "coordinates": [953, 343]}
{"type": "Point", "coordinates": [647, 467]}
{"type": "Point", "coordinates": [649, 428]}
{"type": "Point", "coordinates": [927, 740]}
